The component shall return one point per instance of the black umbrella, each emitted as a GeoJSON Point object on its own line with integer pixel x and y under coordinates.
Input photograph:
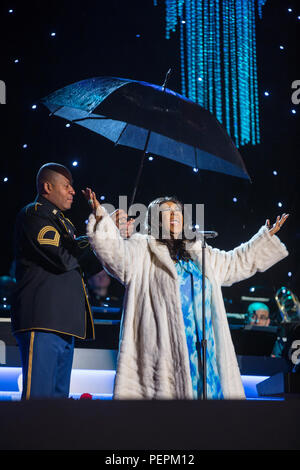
{"type": "Point", "coordinates": [151, 118]}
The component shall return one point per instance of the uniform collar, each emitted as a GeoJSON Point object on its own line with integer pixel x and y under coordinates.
{"type": "Point", "coordinates": [45, 202]}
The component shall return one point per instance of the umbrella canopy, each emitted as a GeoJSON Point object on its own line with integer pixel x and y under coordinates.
{"type": "Point", "coordinates": [151, 118]}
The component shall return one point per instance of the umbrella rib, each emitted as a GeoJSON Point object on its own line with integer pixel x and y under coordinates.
{"type": "Point", "coordinates": [123, 130]}
{"type": "Point", "coordinates": [90, 117]}
{"type": "Point", "coordinates": [53, 112]}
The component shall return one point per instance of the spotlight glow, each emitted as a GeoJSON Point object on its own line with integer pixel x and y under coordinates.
{"type": "Point", "coordinates": [75, 163]}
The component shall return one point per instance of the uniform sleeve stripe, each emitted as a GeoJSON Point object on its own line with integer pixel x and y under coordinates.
{"type": "Point", "coordinates": [43, 240]}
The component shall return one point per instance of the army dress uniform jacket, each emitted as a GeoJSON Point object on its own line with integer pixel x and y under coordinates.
{"type": "Point", "coordinates": [50, 292]}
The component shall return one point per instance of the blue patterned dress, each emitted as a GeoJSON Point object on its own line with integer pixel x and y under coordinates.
{"type": "Point", "coordinates": [190, 283]}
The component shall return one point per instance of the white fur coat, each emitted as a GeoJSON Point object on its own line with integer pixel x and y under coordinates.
{"type": "Point", "coordinates": [153, 361]}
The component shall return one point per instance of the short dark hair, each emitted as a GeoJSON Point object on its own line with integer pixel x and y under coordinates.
{"type": "Point", "coordinates": [46, 171]}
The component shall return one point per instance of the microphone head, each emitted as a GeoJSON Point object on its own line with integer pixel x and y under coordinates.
{"type": "Point", "coordinates": [206, 233]}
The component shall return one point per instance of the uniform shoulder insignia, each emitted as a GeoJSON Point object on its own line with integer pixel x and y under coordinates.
{"type": "Point", "coordinates": [48, 235]}
{"type": "Point", "coordinates": [32, 207]}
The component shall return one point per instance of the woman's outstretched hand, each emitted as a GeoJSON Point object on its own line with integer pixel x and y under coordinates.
{"type": "Point", "coordinates": [278, 224]}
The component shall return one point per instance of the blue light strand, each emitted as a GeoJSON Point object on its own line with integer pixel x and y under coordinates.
{"type": "Point", "coordinates": [233, 61]}
{"type": "Point", "coordinates": [255, 79]}
{"type": "Point", "coordinates": [182, 56]}
{"type": "Point", "coordinates": [205, 53]}
{"type": "Point", "coordinates": [211, 56]}
{"type": "Point", "coordinates": [252, 71]}
{"type": "Point", "coordinates": [188, 45]}
{"type": "Point", "coordinates": [241, 69]}
{"type": "Point", "coordinates": [193, 79]}
{"type": "Point", "coordinates": [217, 69]}
{"type": "Point", "coordinates": [260, 4]}
{"type": "Point", "coordinates": [200, 47]}
{"type": "Point", "coordinates": [226, 64]}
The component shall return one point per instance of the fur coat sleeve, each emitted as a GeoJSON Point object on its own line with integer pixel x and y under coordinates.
{"type": "Point", "coordinates": [257, 255]}
{"type": "Point", "coordinates": [117, 255]}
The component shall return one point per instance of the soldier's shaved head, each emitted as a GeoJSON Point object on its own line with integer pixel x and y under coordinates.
{"type": "Point", "coordinates": [54, 182]}
{"type": "Point", "coordinates": [48, 173]}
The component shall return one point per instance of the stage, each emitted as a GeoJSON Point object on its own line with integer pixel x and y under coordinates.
{"type": "Point", "coordinates": [149, 425]}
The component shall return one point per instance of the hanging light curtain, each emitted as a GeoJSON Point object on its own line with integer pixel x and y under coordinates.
{"type": "Point", "coordinates": [218, 60]}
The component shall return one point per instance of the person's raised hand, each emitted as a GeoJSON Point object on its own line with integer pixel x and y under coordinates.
{"type": "Point", "coordinates": [277, 225]}
{"type": "Point", "coordinates": [124, 224]}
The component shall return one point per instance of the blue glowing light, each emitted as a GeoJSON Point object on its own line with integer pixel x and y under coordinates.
{"type": "Point", "coordinates": [5, 181]}
{"type": "Point", "coordinates": [53, 34]}
{"type": "Point", "coordinates": [33, 106]}
{"type": "Point", "coordinates": [218, 60]}
{"type": "Point", "coordinates": [98, 383]}
{"type": "Point", "coordinates": [195, 170]}
{"type": "Point", "coordinates": [102, 198]}
{"type": "Point", "coordinates": [234, 199]}
{"type": "Point", "coordinates": [293, 111]}
{"type": "Point", "coordinates": [75, 163]}
{"type": "Point", "coordinates": [289, 274]}
{"type": "Point", "coordinates": [267, 93]}
{"type": "Point", "coordinates": [275, 173]}
{"type": "Point", "coordinates": [279, 204]}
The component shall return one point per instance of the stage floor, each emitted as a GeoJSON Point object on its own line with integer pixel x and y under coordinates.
{"type": "Point", "coordinates": [149, 425]}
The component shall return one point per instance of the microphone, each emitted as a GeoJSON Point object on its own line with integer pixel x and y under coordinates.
{"type": "Point", "coordinates": [206, 234]}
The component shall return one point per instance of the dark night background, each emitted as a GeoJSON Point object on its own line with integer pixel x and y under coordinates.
{"type": "Point", "coordinates": [127, 39]}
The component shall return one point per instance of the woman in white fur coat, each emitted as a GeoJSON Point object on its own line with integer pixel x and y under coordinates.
{"type": "Point", "coordinates": [154, 360]}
